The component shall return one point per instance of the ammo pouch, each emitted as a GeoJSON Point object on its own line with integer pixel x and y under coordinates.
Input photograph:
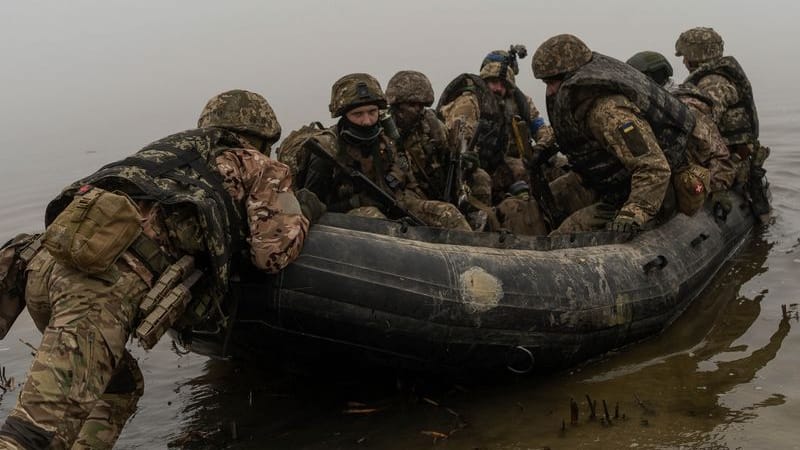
{"type": "Point", "coordinates": [164, 304]}
{"type": "Point", "coordinates": [93, 230]}
{"type": "Point", "coordinates": [14, 258]}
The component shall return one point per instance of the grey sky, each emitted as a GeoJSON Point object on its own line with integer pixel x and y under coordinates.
{"type": "Point", "coordinates": [109, 76]}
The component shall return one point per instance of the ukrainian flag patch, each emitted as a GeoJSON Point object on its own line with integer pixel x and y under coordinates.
{"type": "Point", "coordinates": [633, 138]}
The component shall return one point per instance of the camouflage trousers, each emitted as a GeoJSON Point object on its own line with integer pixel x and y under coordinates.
{"type": "Point", "coordinates": [512, 170]}
{"type": "Point", "coordinates": [590, 218]}
{"type": "Point", "coordinates": [480, 186]}
{"type": "Point", "coordinates": [569, 194]}
{"type": "Point", "coordinates": [83, 384]}
{"type": "Point", "coordinates": [433, 212]}
{"type": "Point", "coordinates": [521, 217]}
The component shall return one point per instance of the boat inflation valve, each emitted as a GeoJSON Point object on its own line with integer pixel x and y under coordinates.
{"type": "Point", "coordinates": [520, 360]}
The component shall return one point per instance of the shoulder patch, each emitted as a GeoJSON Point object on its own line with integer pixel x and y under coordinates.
{"type": "Point", "coordinates": [633, 138]}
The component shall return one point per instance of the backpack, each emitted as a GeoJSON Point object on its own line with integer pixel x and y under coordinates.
{"type": "Point", "coordinates": [472, 83]}
{"type": "Point", "coordinates": [294, 154]}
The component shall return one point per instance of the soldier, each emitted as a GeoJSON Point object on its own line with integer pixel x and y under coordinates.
{"type": "Point", "coordinates": [734, 110]}
{"type": "Point", "coordinates": [707, 148]}
{"type": "Point", "coordinates": [201, 197]}
{"type": "Point", "coordinates": [621, 133]}
{"type": "Point", "coordinates": [359, 141]}
{"type": "Point", "coordinates": [423, 136]}
{"type": "Point", "coordinates": [503, 120]}
{"type": "Point", "coordinates": [432, 153]}
{"type": "Point", "coordinates": [507, 113]}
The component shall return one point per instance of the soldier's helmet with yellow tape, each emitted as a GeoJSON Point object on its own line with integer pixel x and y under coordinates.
{"type": "Point", "coordinates": [559, 55]}
{"type": "Point", "coordinates": [353, 90]}
{"type": "Point", "coordinates": [498, 64]}
{"type": "Point", "coordinates": [699, 45]}
{"type": "Point", "coordinates": [409, 86]}
{"type": "Point", "coordinates": [241, 111]}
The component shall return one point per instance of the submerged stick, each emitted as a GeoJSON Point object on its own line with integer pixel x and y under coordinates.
{"type": "Point", "coordinates": [573, 411]}
{"type": "Point", "coordinates": [605, 411]}
{"type": "Point", "coordinates": [592, 405]}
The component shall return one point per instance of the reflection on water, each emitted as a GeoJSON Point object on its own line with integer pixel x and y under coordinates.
{"type": "Point", "coordinates": [667, 391]}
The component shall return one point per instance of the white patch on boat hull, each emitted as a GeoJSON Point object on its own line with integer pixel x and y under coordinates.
{"type": "Point", "coordinates": [480, 290]}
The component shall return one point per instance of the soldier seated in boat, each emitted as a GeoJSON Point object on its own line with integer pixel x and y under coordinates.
{"type": "Point", "coordinates": [355, 166]}
{"type": "Point", "coordinates": [622, 137]}
{"type": "Point", "coordinates": [707, 149]}
{"type": "Point", "coordinates": [491, 108]}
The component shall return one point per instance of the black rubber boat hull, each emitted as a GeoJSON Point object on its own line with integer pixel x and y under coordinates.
{"type": "Point", "coordinates": [380, 292]}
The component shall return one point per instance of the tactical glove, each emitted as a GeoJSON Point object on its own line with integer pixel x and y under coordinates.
{"type": "Point", "coordinates": [311, 206]}
{"type": "Point", "coordinates": [624, 223]}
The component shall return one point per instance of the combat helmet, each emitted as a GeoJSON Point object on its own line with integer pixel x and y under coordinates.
{"type": "Point", "coordinates": [503, 64]}
{"type": "Point", "coordinates": [560, 55]}
{"type": "Point", "coordinates": [699, 45]}
{"type": "Point", "coordinates": [409, 86]}
{"type": "Point", "coordinates": [241, 111]}
{"type": "Point", "coordinates": [652, 64]}
{"type": "Point", "coordinates": [354, 90]}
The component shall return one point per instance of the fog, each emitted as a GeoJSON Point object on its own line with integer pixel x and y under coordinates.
{"type": "Point", "coordinates": [107, 77]}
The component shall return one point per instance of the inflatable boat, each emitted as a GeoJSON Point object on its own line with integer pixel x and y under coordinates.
{"type": "Point", "coordinates": [383, 292]}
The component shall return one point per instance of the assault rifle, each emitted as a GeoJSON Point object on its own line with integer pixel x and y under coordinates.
{"type": "Point", "coordinates": [541, 188]}
{"type": "Point", "coordinates": [455, 171]}
{"type": "Point", "coordinates": [386, 199]}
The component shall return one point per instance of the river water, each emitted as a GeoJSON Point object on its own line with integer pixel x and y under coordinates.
{"type": "Point", "coordinates": [87, 82]}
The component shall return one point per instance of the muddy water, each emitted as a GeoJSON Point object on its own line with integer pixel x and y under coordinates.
{"type": "Point", "coordinates": [87, 83]}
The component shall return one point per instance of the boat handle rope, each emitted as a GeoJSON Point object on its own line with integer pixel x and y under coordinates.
{"type": "Point", "coordinates": [699, 240]}
{"type": "Point", "coordinates": [530, 365]}
{"type": "Point", "coordinates": [659, 262]}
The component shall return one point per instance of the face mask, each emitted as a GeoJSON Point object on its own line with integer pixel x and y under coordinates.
{"type": "Point", "coordinates": [359, 135]}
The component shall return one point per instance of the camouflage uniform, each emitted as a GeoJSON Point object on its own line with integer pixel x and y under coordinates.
{"type": "Point", "coordinates": [466, 101]}
{"type": "Point", "coordinates": [465, 111]}
{"type": "Point", "coordinates": [83, 384]}
{"type": "Point", "coordinates": [423, 137]}
{"type": "Point", "coordinates": [376, 157]}
{"type": "Point", "coordinates": [707, 147]}
{"type": "Point", "coordinates": [711, 169]}
{"type": "Point", "coordinates": [621, 134]}
{"type": "Point", "coordinates": [722, 79]}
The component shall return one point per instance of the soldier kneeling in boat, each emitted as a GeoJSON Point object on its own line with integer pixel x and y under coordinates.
{"type": "Point", "coordinates": [623, 135]}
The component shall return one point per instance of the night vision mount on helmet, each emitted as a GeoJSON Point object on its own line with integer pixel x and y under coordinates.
{"type": "Point", "coordinates": [498, 62]}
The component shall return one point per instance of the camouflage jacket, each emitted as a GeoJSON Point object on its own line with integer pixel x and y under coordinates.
{"type": "Point", "coordinates": [734, 108]}
{"type": "Point", "coordinates": [669, 120]}
{"type": "Point", "coordinates": [428, 150]}
{"type": "Point", "coordinates": [337, 189]}
{"type": "Point", "coordinates": [467, 100]}
{"type": "Point", "coordinates": [707, 146]}
{"type": "Point", "coordinates": [203, 185]}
